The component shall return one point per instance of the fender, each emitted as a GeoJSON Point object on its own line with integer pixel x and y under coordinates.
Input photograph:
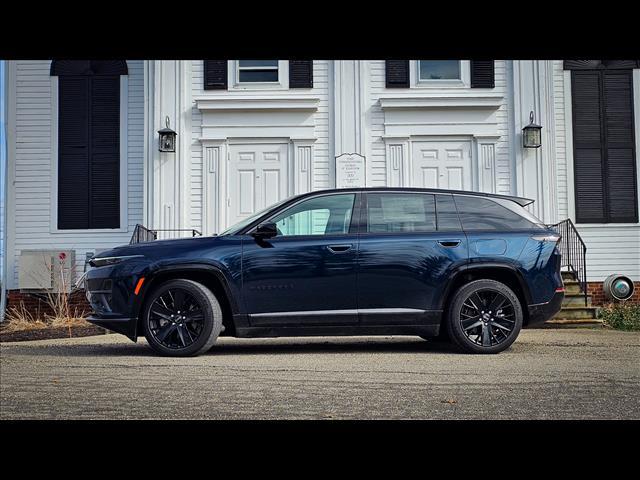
{"type": "Point", "coordinates": [467, 268]}
{"type": "Point", "coordinates": [200, 266]}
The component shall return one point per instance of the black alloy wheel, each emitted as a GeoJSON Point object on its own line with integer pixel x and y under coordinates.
{"type": "Point", "coordinates": [485, 317]}
{"type": "Point", "coordinates": [176, 319]}
{"type": "Point", "coordinates": [182, 318]}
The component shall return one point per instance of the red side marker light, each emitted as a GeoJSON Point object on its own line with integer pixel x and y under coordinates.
{"type": "Point", "coordinates": [138, 286]}
{"type": "Point", "coordinates": [559, 289]}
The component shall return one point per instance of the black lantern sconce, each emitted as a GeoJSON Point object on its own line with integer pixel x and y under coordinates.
{"type": "Point", "coordinates": [532, 134]}
{"type": "Point", "coordinates": [167, 138]}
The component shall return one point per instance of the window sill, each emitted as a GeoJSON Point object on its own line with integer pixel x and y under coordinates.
{"type": "Point", "coordinates": [603, 225]}
{"type": "Point", "coordinates": [434, 84]}
{"type": "Point", "coordinates": [56, 231]}
{"type": "Point", "coordinates": [443, 99]}
{"type": "Point", "coordinates": [257, 103]}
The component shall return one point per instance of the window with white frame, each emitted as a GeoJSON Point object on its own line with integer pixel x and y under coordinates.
{"type": "Point", "coordinates": [440, 74]}
{"type": "Point", "coordinates": [429, 70]}
{"type": "Point", "coordinates": [258, 71]}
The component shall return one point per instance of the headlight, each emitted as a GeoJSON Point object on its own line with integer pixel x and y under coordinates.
{"type": "Point", "coordinates": [104, 261]}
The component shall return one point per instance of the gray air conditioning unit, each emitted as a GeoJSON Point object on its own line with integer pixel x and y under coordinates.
{"type": "Point", "coordinates": [49, 270]}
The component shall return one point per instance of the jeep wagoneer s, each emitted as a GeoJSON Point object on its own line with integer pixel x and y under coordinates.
{"type": "Point", "coordinates": [470, 268]}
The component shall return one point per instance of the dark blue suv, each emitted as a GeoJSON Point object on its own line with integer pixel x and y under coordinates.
{"type": "Point", "coordinates": [471, 268]}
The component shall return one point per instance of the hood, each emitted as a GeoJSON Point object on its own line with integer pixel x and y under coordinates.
{"type": "Point", "coordinates": [159, 247]}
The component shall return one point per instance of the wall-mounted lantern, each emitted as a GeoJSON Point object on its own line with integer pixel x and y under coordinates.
{"type": "Point", "coordinates": [532, 134]}
{"type": "Point", "coordinates": [167, 138]}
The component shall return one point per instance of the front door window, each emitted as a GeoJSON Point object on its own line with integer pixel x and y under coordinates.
{"type": "Point", "coordinates": [325, 215]}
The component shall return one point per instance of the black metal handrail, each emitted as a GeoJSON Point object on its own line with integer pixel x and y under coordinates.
{"type": "Point", "coordinates": [574, 253]}
{"type": "Point", "coordinates": [144, 234]}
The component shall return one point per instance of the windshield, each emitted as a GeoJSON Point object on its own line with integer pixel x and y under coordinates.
{"type": "Point", "coordinates": [235, 228]}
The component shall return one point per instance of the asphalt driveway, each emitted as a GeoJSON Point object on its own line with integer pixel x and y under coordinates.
{"type": "Point", "coordinates": [546, 374]}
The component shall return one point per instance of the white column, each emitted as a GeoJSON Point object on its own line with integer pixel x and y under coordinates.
{"type": "Point", "coordinates": [169, 175]}
{"type": "Point", "coordinates": [535, 167]}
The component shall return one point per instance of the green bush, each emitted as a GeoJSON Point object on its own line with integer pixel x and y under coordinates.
{"type": "Point", "coordinates": [621, 316]}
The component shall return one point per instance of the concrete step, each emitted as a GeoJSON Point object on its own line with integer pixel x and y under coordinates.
{"type": "Point", "coordinates": [575, 300]}
{"type": "Point", "coordinates": [567, 276]}
{"type": "Point", "coordinates": [570, 323]}
{"type": "Point", "coordinates": [571, 287]}
{"type": "Point", "coordinates": [577, 313]}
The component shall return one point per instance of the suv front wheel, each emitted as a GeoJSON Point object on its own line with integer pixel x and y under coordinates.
{"type": "Point", "coordinates": [182, 318]}
{"type": "Point", "coordinates": [485, 316]}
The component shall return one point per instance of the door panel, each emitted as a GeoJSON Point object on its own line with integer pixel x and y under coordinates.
{"type": "Point", "coordinates": [402, 274]}
{"type": "Point", "coordinates": [305, 275]}
{"type": "Point", "coordinates": [444, 165]}
{"type": "Point", "coordinates": [257, 178]}
{"type": "Point", "coordinates": [300, 281]}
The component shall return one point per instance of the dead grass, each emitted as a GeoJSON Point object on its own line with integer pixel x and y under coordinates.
{"type": "Point", "coordinates": [58, 314]}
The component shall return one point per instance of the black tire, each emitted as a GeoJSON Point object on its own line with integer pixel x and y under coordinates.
{"type": "Point", "coordinates": [472, 322]}
{"type": "Point", "coordinates": [191, 332]}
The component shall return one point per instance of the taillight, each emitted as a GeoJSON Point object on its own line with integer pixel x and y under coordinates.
{"type": "Point", "coordinates": [547, 238]}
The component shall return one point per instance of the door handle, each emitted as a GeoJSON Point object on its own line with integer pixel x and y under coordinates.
{"type": "Point", "coordinates": [449, 243]}
{"type": "Point", "coordinates": [339, 248]}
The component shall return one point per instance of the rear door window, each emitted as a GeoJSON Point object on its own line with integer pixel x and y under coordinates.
{"type": "Point", "coordinates": [477, 213]}
{"type": "Point", "coordinates": [447, 214]}
{"type": "Point", "coordinates": [400, 212]}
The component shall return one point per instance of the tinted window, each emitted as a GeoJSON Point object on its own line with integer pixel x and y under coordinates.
{"type": "Point", "coordinates": [484, 214]}
{"type": "Point", "coordinates": [326, 215]}
{"type": "Point", "coordinates": [447, 213]}
{"type": "Point", "coordinates": [397, 212]}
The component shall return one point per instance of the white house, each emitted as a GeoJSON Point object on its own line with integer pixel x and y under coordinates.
{"type": "Point", "coordinates": [84, 165]}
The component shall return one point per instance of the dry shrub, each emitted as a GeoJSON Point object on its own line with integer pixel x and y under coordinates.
{"type": "Point", "coordinates": [59, 313]}
{"type": "Point", "coordinates": [20, 318]}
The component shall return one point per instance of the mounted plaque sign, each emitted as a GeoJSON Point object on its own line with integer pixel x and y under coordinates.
{"type": "Point", "coordinates": [350, 170]}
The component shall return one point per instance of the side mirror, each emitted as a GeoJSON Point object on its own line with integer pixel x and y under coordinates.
{"type": "Point", "coordinates": [266, 230]}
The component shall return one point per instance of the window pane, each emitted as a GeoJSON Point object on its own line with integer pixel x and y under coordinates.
{"type": "Point", "coordinates": [258, 63]}
{"type": "Point", "coordinates": [258, 75]}
{"type": "Point", "coordinates": [390, 212]}
{"type": "Point", "coordinates": [326, 215]}
{"type": "Point", "coordinates": [447, 213]}
{"type": "Point", "coordinates": [439, 69]}
{"type": "Point", "coordinates": [484, 214]}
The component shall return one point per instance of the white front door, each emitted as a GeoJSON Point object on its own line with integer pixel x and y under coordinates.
{"type": "Point", "coordinates": [257, 178]}
{"type": "Point", "coordinates": [444, 165]}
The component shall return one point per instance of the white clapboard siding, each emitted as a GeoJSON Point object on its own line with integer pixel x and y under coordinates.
{"type": "Point", "coordinates": [560, 140]}
{"type": "Point", "coordinates": [611, 249]}
{"type": "Point", "coordinates": [320, 146]}
{"type": "Point", "coordinates": [33, 167]}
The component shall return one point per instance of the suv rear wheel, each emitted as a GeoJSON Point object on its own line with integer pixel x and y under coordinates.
{"type": "Point", "coordinates": [485, 317]}
{"type": "Point", "coordinates": [182, 318]}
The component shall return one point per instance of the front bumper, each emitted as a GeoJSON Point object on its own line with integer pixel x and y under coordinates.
{"type": "Point", "coordinates": [110, 291]}
{"type": "Point", "coordinates": [123, 325]}
{"type": "Point", "coordinates": [542, 312]}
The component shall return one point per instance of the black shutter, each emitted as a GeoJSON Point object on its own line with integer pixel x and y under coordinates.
{"type": "Point", "coordinates": [300, 73]}
{"type": "Point", "coordinates": [215, 74]}
{"type": "Point", "coordinates": [620, 166]}
{"type": "Point", "coordinates": [397, 73]}
{"type": "Point", "coordinates": [482, 74]}
{"type": "Point", "coordinates": [104, 184]}
{"type": "Point", "coordinates": [73, 152]}
{"type": "Point", "coordinates": [88, 152]}
{"type": "Point", "coordinates": [587, 145]}
{"type": "Point", "coordinates": [604, 146]}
